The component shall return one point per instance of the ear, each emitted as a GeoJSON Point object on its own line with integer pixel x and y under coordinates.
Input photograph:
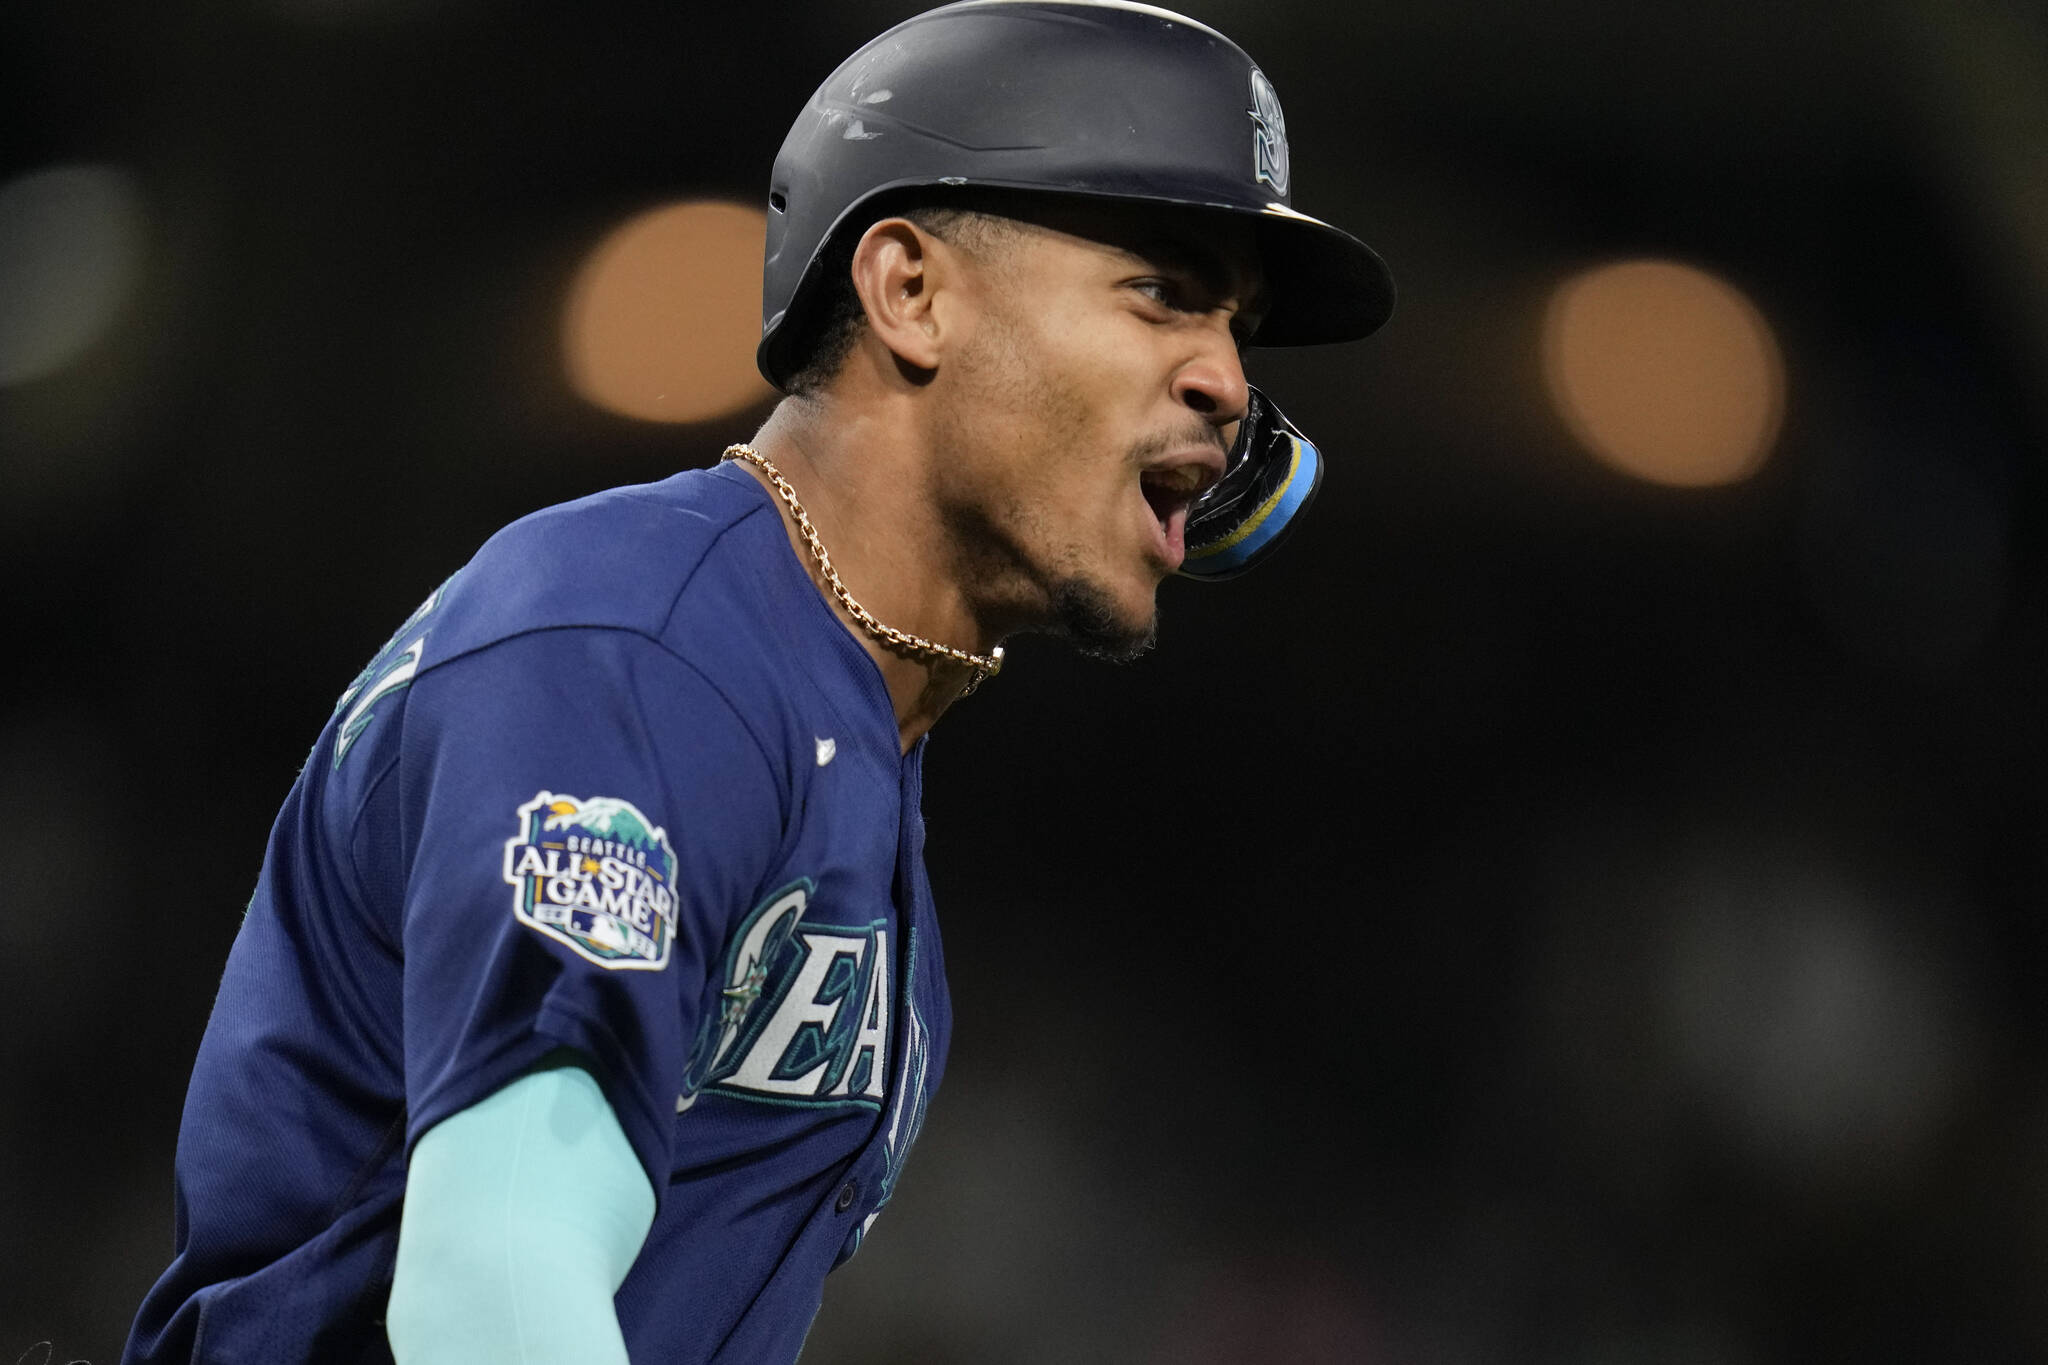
{"type": "Point", "coordinates": [899, 271]}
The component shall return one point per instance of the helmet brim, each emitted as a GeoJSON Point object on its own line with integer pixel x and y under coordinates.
{"type": "Point", "coordinates": [1325, 284]}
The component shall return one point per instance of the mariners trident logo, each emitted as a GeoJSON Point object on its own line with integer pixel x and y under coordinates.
{"type": "Point", "coordinates": [1269, 134]}
{"type": "Point", "coordinates": [594, 874]}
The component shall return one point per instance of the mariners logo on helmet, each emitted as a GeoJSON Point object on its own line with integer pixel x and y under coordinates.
{"type": "Point", "coordinates": [1269, 134]}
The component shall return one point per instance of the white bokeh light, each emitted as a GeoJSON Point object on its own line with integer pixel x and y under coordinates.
{"type": "Point", "coordinates": [71, 247]}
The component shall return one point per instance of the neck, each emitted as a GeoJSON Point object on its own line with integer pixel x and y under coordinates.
{"type": "Point", "coordinates": [862, 485]}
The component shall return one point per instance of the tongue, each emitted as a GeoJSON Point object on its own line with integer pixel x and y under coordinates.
{"type": "Point", "coordinates": [1165, 501]}
{"type": "Point", "coordinates": [1170, 509]}
{"type": "Point", "coordinates": [1174, 523]}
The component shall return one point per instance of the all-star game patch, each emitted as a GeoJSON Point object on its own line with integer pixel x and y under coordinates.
{"type": "Point", "coordinates": [593, 873]}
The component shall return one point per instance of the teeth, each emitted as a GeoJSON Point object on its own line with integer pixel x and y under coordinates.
{"type": "Point", "coordinates": [1183, 478]}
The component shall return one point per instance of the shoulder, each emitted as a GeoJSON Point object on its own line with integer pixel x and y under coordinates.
{"type": "Point", "coordinates": [618, 559]}
{"type": "Point", "coordinates": [676, 606]}
{"type": "Point", "coordinates": [589, 640]}
{"type": "Point", "coordinates": [668, 596]}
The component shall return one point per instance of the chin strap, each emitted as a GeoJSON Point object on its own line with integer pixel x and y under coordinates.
{"type": "Point", "coordinates": [1272, 473]}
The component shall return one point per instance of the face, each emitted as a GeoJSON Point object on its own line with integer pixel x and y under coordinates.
{"type": "Point", "coordinates": [1088, 397]}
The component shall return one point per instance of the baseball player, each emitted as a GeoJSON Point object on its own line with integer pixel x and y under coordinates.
{"type": "Point", "coordinates": [592, 997]}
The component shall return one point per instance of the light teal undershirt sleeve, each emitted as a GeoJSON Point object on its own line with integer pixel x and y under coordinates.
{"type": "Point", "coordinates": [522, 1215]}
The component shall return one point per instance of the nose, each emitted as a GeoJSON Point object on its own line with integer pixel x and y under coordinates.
{"type": "Point", "coordinates": [1212, 380]}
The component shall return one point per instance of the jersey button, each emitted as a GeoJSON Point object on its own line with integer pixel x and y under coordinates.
{"type": "Point", "coordinates": [848, 1192]}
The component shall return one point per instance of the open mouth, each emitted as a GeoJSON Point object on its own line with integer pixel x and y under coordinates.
{"type": "Point", "coordinates": [1169, 493]}
{"type": "Point", "coordinates": [1169, 490]}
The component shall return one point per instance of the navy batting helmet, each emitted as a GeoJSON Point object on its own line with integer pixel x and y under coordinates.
{"type": "Point", "coordinates": [1099, 99]}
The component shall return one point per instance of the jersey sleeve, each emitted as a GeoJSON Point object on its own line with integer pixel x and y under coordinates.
{"type": "Point", "coordinates": [585, 815]}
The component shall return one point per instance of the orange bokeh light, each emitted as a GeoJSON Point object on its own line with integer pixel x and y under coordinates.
{"type": "Point", "coordinates": [664, 315]}
{"type": "Point", "coordinates": [1664, 372]}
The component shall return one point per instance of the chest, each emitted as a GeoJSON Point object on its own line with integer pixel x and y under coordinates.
{"type": "Point", "coordinates": [824, 1022]}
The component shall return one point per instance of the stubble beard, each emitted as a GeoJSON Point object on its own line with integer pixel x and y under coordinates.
{"type": "Point", "coordinates": [1063, 601]}
{"type": "Point", "coordinates": [1086, 618]}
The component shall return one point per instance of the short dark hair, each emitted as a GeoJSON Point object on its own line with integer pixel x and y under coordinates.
{"type": "Point", "coordinates": [835, 314]}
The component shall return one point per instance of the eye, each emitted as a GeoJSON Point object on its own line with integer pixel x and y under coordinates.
{"type": "Point", "coordinates": [1159, 291]}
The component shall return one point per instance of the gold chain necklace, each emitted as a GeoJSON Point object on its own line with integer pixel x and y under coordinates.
{"type": "Point", "coordinates": [985, 666]}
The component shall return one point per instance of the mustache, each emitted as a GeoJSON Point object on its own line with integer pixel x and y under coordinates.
{"type": "Point", "coordinates": [1197, 433]}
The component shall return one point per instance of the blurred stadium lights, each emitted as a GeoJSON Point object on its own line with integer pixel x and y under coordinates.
{"type": "Point", "coordinates": [71, 246]}
{"type": "Point", "coordinates": [1831, 1036]}
{"type": "Point", "coordinates": [664, 314]}
{"type": "Point", "coordinates": [1664, 372]}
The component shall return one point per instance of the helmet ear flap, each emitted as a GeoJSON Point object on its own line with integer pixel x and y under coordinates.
{"type": "Point", "coordinates": [1270, 477]}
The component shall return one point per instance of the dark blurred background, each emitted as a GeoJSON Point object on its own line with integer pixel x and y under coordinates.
{"type": "Point", "coordinates": [1582, 903]}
